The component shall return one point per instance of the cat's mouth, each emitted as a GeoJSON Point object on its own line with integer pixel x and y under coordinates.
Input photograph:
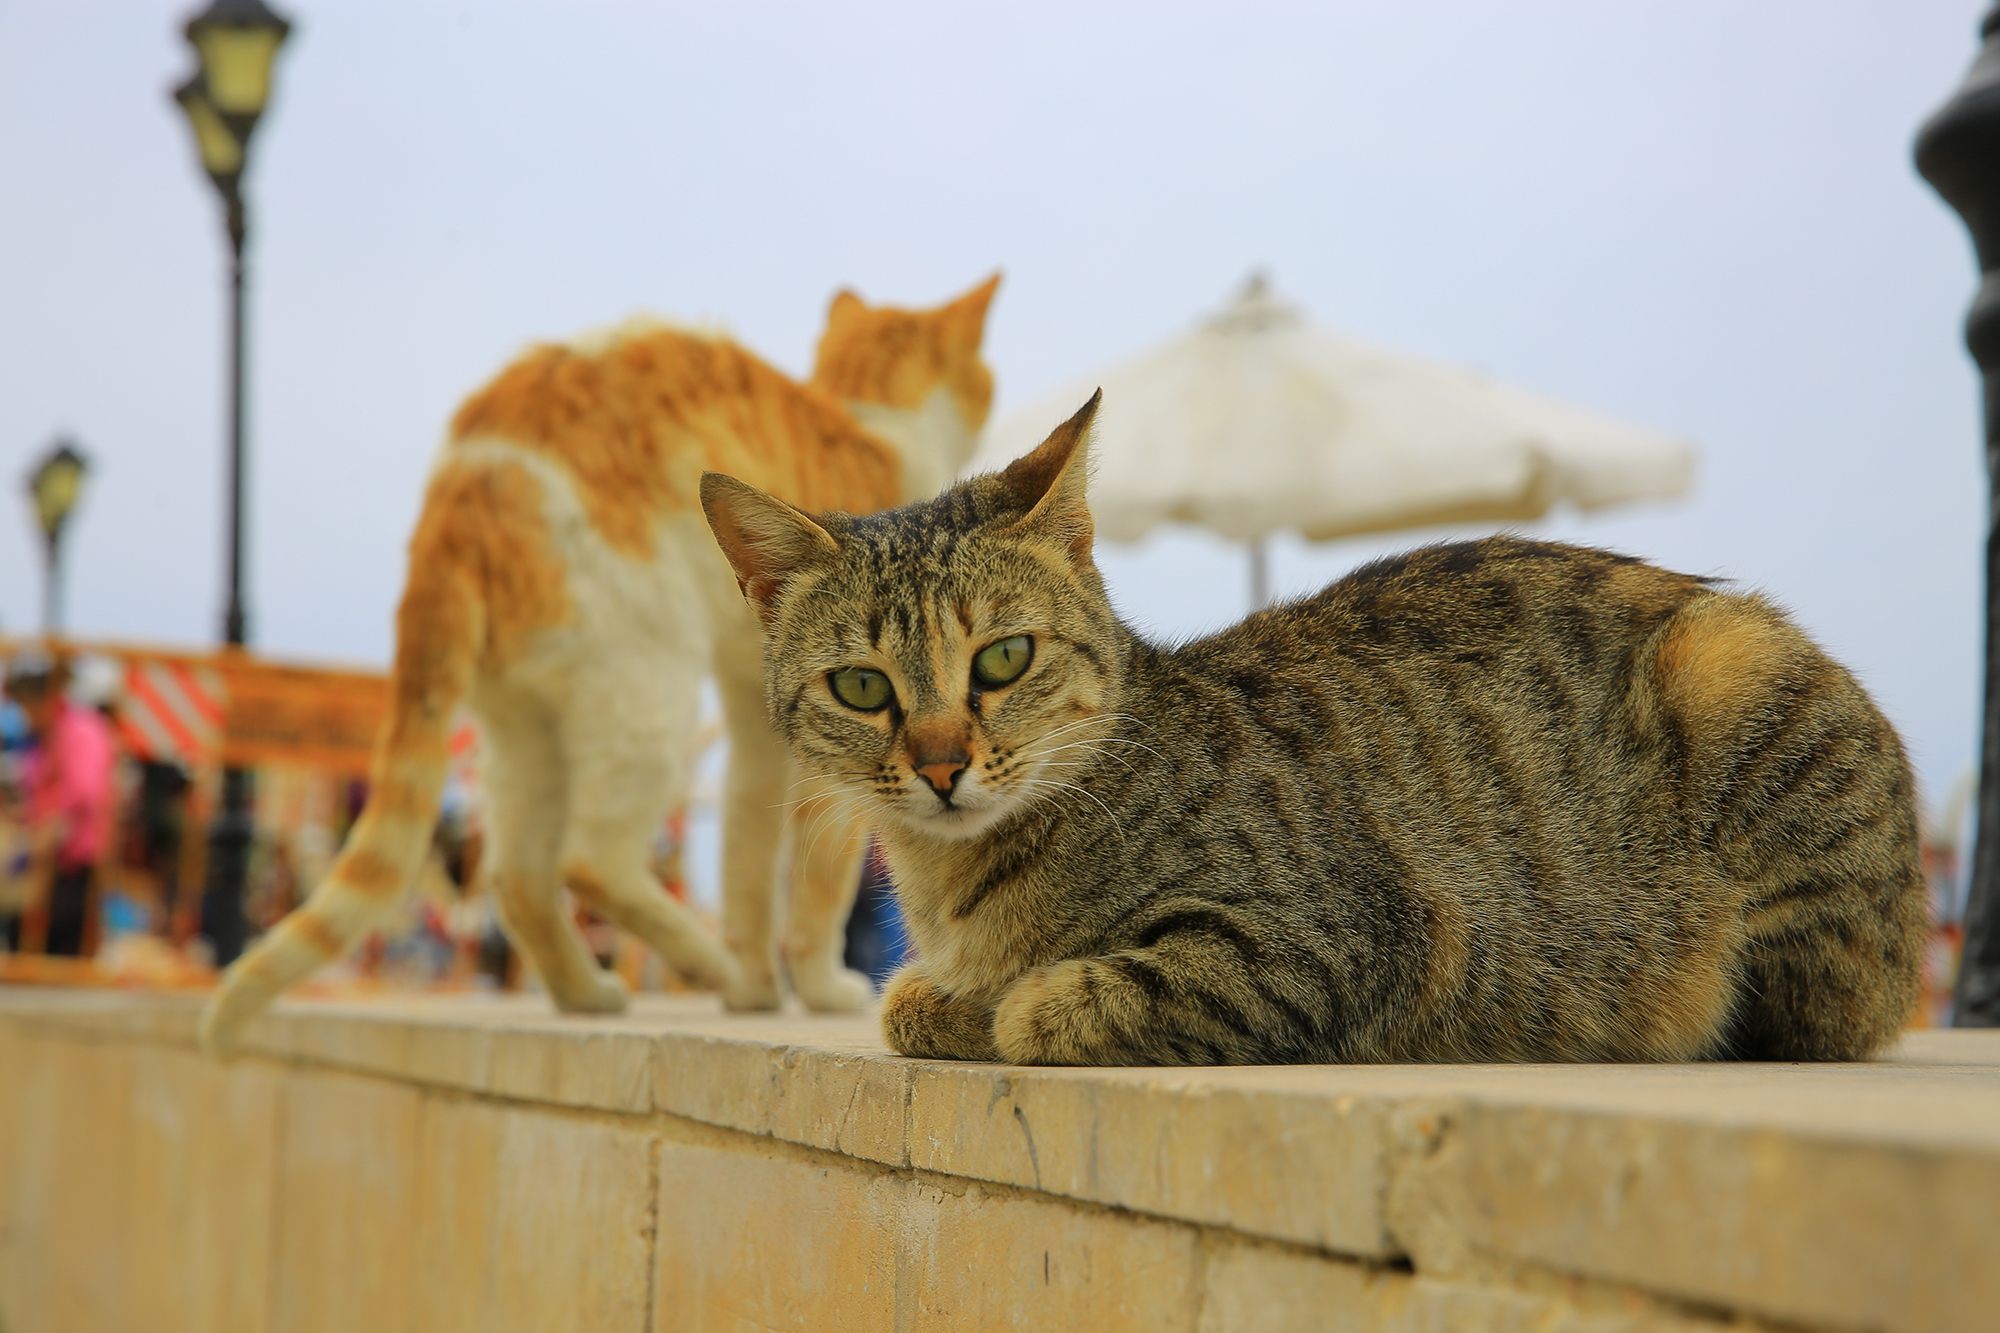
{"type": "Point", "coordinates": [951, 817]}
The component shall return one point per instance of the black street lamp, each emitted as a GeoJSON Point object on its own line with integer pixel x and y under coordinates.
{"type": "Point", "coordinates": [236, 42]}
{"type": "Point", "coordinates": [1958, 152]}
{"type": "Point", "coordinates": [55, 486]}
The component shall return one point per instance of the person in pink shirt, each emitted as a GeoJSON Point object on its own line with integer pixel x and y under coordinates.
{"type": "Point", "coordinates": [68, 789]}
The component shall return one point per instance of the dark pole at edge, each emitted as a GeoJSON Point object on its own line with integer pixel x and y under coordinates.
{"type": "Point", "coordinates": [230, 836]}
{"type": "Point", "coordinates": [234, 620]}
{"type": "Point", "coordinates": [51, 593]}
{"type": "Point", "coordinates": [1958, 152]}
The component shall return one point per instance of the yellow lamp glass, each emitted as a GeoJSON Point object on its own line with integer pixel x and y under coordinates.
{"type": "Point", "coordinates": [56, 485]}
{"type": "Point", "coordinates": [220, 151]}
{"type": "Point", "coordinates": [236, 64]}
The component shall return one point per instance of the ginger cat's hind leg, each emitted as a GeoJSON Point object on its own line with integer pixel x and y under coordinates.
{"type": "Point", "coordinates": [755, 798]}
{"type": "Point", "coordinates": [527, 792]}
{"type": "Point", "coordinates": [628, 728]}
{"type": "Point", "coordinates": [767, 807]}
{"type": "Point", "coordinates": [828, 837]}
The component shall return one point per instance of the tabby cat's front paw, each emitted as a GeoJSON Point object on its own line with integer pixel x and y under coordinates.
{"type": "Point", "coordinates": [1069, 1013]}
{"type": "Point", "coordinates": [921, 1020]}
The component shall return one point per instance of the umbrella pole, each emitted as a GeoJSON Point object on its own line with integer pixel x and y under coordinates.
{"type": "Point", "coordinates": [1955, 154]}
{"type": "Point", "coordinates": [1260, 573]}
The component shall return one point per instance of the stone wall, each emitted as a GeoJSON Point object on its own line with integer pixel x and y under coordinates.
{"type": "Point", "coordinates": [462, 1163]}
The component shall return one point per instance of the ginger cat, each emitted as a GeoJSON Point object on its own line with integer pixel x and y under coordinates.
{"type": "Point", "coordinates": [564, 585]}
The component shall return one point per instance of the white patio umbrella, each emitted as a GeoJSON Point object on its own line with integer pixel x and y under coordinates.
{"type": "Point", "coordinates": [1257, 422]}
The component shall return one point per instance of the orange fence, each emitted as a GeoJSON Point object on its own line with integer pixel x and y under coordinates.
{"type": "Point", "coordinates": [310, 732]}
{"type": "Point", "coordinates": [236, 710]}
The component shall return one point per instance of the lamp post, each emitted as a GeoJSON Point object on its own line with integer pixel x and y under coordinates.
{"type": "Point", "coordinates": [55, 486]}
{"type": "Point", "coordinates": [1958, 152]}
{"type": "Point", "coordinates": [236, 42]}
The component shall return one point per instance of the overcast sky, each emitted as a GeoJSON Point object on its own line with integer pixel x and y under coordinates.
{"type": "Point", "coordinates": [1699, 216]}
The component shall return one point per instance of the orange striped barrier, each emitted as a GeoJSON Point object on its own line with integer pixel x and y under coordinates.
{"type": "Point", "coordinates": [201, 709]}
{"type": "Point", "coordinates": [173, 710]}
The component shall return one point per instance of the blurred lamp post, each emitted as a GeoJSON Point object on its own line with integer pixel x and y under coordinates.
{"type": "Point", "coordinates": [55, 484]}
{"type": "Point", "coordinates": [236, 42]}
{"type": "Point", "coordinates": [1958, 152]}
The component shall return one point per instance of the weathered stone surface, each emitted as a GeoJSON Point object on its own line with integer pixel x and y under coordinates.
{"type": "Point", "coordinates": [531, 1222]}
{"type": "Point", "coordinates": [82, 1206]}
{"type": "Point", "coordinates": [136, 1182]}
{"type": "Point", "coordinates": [973, 1257]}
{"type": "Point", "coordinates": [348, 1168]}
{"type": "Point", "coordinates": [1278, 1290]}
{"type": "Point", "coordinates": [609, 1071]}
{"type": "Point", "coordinates": [1172, 1142]}
{"type": "Point", "coordinates": [750, 1237]}
{"type": "Point", "coordinates": [845, 1103]}
{"type": "Point", "coordinates": [355, 1169]}
{"type": "Point", "coordinates": [201, 1191]}
{"type": "Point", "coordinates": [30, 1090]}
{"type": "Point", "coordinates": [823, 1081]}
{"type": "Point", "coordinates": [1715, 1213]}
{"type": "Point", "coordinates": [763, 1237]}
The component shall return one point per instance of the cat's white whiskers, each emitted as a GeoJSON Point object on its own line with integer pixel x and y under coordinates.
{"type": "Point", "coordinates": [1077, 811]}
{"type": "Point", "coordinates": [1095, 718]}
{"type": "Point", "coordinates": [1091, 746]}
{"type": "Point", "coordinates": [1085, 792]}
{"type": "Point", "coordinates": [839, 812]}
{"type": "Point", "coordinates": [1098, 718]}
{"type": "Point", "coordinates": [839, 801]}
{"type": "Point", "coordinates": [1042, 800]}
{"type": "Point", "coordinates": [830, 786]}
{"type": "Point", "coordinates": [1067, 727]}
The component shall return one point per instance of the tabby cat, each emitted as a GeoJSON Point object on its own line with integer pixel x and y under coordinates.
{"type": "Point", "coordinates": [1494, 800]}
{"type": "Point", "coordinates": [562, 584]}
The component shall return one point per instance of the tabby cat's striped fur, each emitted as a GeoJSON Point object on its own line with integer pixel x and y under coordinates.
{"type": "Point", "coordinates": [1498, 800]}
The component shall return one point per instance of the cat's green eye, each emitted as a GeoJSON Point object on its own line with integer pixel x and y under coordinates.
{"type": "Point", "coordinates": [858, 687]}
{"type": "Point", "coordinates": [1001, 662]}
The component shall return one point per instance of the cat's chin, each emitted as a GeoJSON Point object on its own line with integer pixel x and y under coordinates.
{"type": "Point", "coordinates": [954, 823]}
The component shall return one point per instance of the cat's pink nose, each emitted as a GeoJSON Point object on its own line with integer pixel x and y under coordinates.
{"type": "Point", "coordinates": [942, 773]}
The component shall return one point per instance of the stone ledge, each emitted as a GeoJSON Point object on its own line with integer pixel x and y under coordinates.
{"type": "Point", "coordinates": [1850, 1197]}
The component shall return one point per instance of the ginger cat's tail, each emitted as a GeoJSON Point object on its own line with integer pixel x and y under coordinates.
{"type": "Point", "coordinates": [440, 632]}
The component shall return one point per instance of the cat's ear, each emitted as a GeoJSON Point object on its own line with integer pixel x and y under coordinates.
{"type": "Point", "coordinates": [964, 320]}
{"type": "Point", "coordinates": [845, 306]}
{"type": "Point", "coordinates": [1050, 483]}
{"type": "Point", "coordinates": [766, 540]}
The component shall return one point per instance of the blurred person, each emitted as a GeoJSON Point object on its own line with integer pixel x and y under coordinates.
{"type": "Point", "coordinates": [67, 791]}
{"type": "Point", "coordinates": [159, 822]}
{"type": "Point", "coordinates": [15, 741]}
{"type": "Point", "coordinates": [16, 859]}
